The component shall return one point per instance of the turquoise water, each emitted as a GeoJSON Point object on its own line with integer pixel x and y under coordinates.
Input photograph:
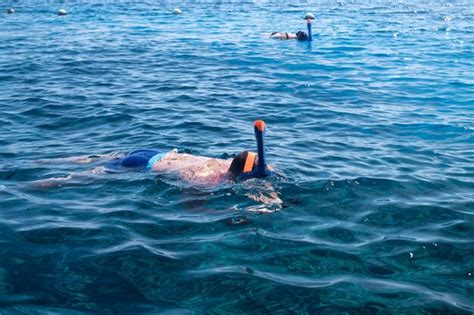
{"type": "Point", "coordinates": [372, 124]}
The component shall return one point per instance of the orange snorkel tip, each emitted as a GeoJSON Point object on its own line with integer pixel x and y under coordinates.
{"type": "Point", "coordinates": [260, 125]}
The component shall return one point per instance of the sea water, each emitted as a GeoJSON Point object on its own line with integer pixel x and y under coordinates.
{"type": "Point", "coordinates": [372, 124]}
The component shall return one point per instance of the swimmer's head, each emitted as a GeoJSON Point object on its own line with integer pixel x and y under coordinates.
{"type": "Point", "coordinates": [301, 36]}
{"type": "Point", "coordinates": [242, 163]}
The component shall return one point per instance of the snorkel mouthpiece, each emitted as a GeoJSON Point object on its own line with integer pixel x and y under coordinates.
{"type": "Point", "coordinates": [261, 170]}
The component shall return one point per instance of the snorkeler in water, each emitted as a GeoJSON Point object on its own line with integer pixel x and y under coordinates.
{"type": "Point", "coordinates": [195, 170]}
{"type": "Point", "coordinates": [199, 170]}
{"type": "Point", "coordinates": [300, 35]}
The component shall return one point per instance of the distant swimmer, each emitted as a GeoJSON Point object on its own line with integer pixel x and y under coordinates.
{"type": "Point", "coordinates": [300, 35]}
{"type": "Point", "coordinates": [62, 12]}
{"type": "Point", "coordinates": [177, 11]}
{"type": "Point", "coordinates": [10, 11]}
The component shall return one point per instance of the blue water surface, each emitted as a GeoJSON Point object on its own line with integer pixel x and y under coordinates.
{"type": "Point", "coordinates": [372, 123]}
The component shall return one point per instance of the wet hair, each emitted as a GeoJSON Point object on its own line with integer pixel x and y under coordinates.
{"type": "Point", "coordinates": [237, 165]}
{"type": "Point", "coordinates": [301, 36]}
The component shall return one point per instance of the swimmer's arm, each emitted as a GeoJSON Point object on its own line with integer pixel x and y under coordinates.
{"type": "Point", "coordinates": [268, 196]}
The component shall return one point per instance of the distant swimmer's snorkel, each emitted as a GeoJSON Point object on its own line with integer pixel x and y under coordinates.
{"type": "Point", "coordinates": [300, 35]}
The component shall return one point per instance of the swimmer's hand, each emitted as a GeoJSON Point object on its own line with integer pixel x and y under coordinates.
{"type": "Point", "coordinates": [267, 197]}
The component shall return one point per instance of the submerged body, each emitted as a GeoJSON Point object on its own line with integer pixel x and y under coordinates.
{"type": "Point", "coordinates": [197, 170]}
{"type": "Point", "coordinates": [193, 169]}
{"type": "Point", "coordinates": [200, 170]}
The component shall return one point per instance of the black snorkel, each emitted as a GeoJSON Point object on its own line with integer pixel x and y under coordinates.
{"type": "Point", "coordinates": [309, 17]}
{"type": "Point", "coordinates": [261, 170]}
